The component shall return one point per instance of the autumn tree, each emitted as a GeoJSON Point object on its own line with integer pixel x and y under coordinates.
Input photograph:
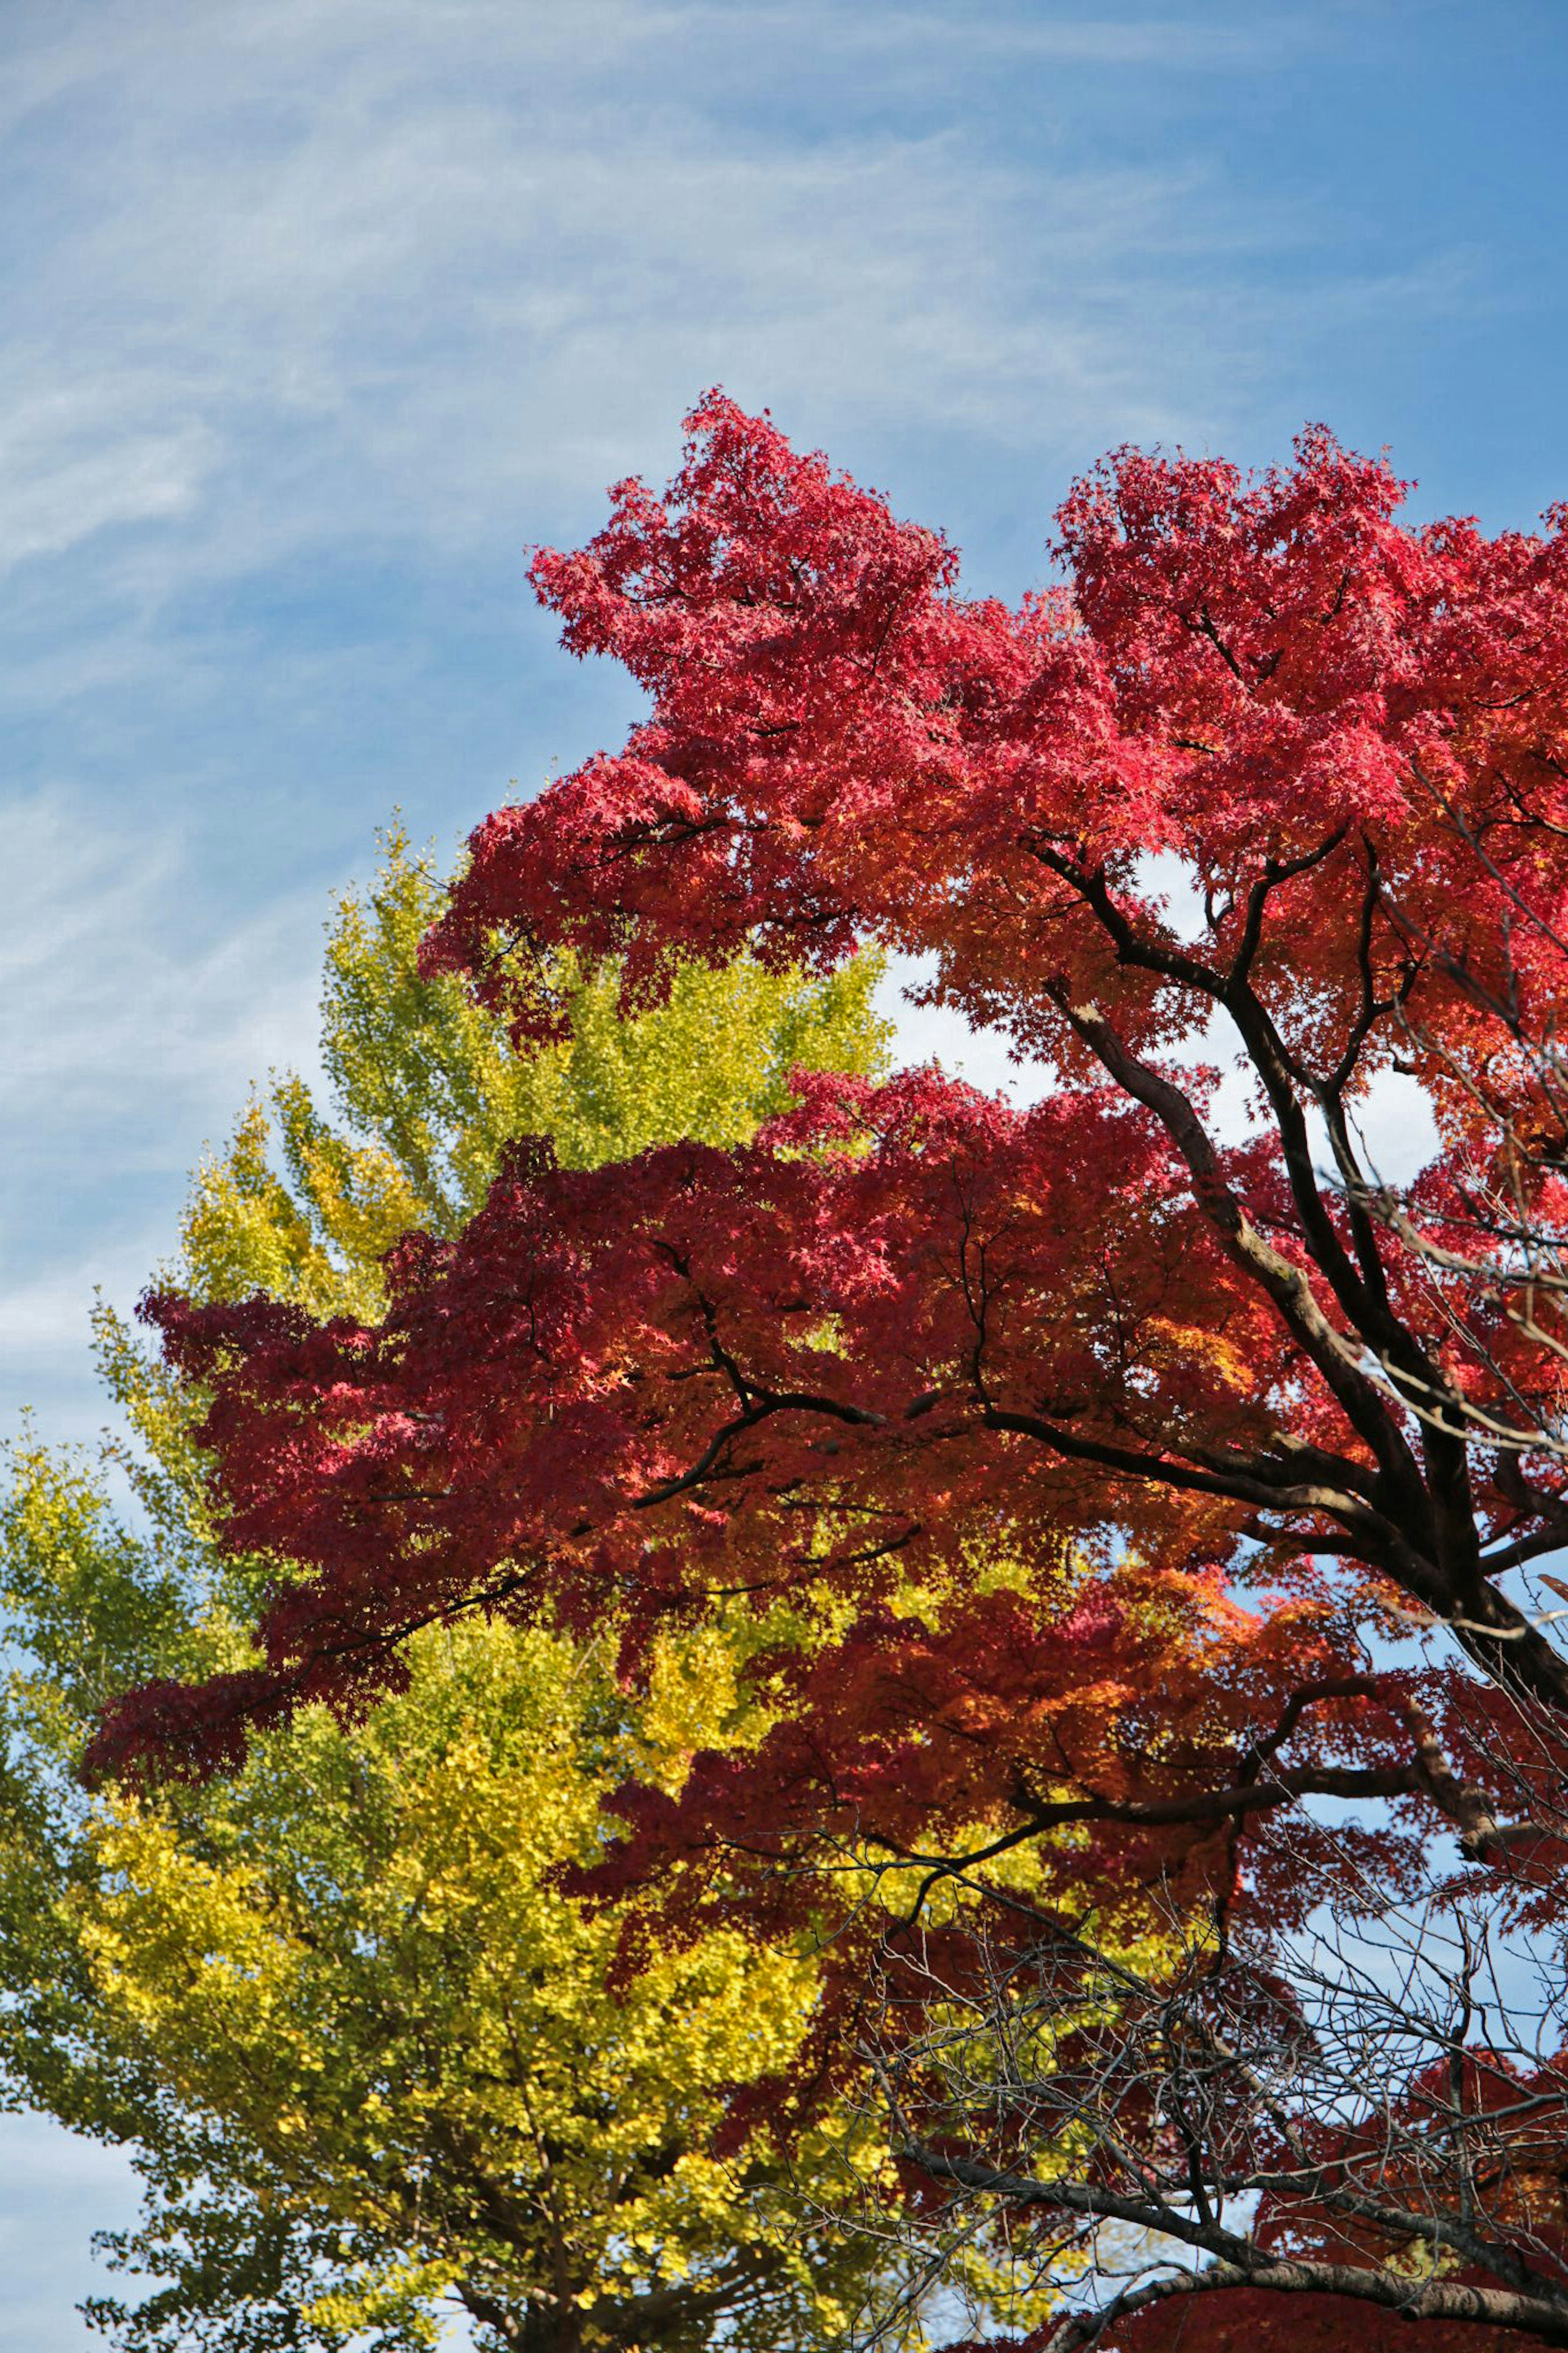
{"type": "Point", "coordinates": [1270, 780]}
{"type": "Point", "coordinates": [371, 2062]}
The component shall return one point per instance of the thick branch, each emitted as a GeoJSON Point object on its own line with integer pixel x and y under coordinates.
{"type": "Point", "coordinates": [1286, 1285]}
{"type": "Point", "coordinates": [1240, 2262]}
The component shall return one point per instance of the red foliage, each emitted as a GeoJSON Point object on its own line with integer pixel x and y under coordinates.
{"type": "Point", "coordinates": [919, 1308]}
{"type": "Point", "coordinates": [1269, 759]}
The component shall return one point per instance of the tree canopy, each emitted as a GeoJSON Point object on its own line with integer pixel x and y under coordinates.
{"type": "Point", "coordinates": [1271, 777]}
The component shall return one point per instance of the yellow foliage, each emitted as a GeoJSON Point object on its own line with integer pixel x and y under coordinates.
{"type": "Point", "coordinates": [372, 2058]}
{"type": "Point", "coordinates": [371, 1966]}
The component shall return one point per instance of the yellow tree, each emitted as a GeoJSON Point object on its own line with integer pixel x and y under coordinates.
{"type": "Point", "coordinates": [372, 2063]}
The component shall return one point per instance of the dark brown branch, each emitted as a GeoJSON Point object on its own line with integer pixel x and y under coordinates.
{"type": "Point", "coordinates": [1240, 2262]}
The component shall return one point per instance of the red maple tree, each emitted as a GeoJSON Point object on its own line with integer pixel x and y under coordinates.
{"type": "Point", "coordinates": [1272, 777]}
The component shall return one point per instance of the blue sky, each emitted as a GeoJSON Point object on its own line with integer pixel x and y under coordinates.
{"type": "Point", "coordinates": [317, 312]}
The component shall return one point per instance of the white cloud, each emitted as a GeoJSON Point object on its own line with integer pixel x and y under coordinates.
{"type": "Point", "coordinates": [113, 1003]}
{"type": "Point", "coordinates": [925, 1032]}
{"type": "Point", "coordinates": [55, 2190]}
{"type": "Point", "coordinates": [128, 1029]}
{"type": "Point", "coordinates": [74, 460]}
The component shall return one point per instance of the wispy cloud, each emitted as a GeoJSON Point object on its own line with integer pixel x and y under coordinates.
{"type": "Point", "coordinates": [127, 1031]}
{"type": "Point", "coordinates": [1196, 43]}
{"type": "Point", "coordinates": [76, 460]}
{"type": "Point", "coordinates": [55, 2191]}
{"type": "Point", "coordinates": [406, 283]}
{"type": "Point", "coordinates": [409, 273]}
{"type": "Point", "coordinates": [111, 1003]}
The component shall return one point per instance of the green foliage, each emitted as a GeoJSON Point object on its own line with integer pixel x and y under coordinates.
{"type": "Point", "coordinates": [366, 2052]}
{"type": "Point", "coordinates": [353, 1958]}
{"type": "Point", "coordinates": [427, 1089]}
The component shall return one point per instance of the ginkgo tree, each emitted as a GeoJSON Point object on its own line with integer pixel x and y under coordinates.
{"type": "Point", "coordinates": [1273, 777]}
{"type": "Point", "coordinates": [372, 2064]}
